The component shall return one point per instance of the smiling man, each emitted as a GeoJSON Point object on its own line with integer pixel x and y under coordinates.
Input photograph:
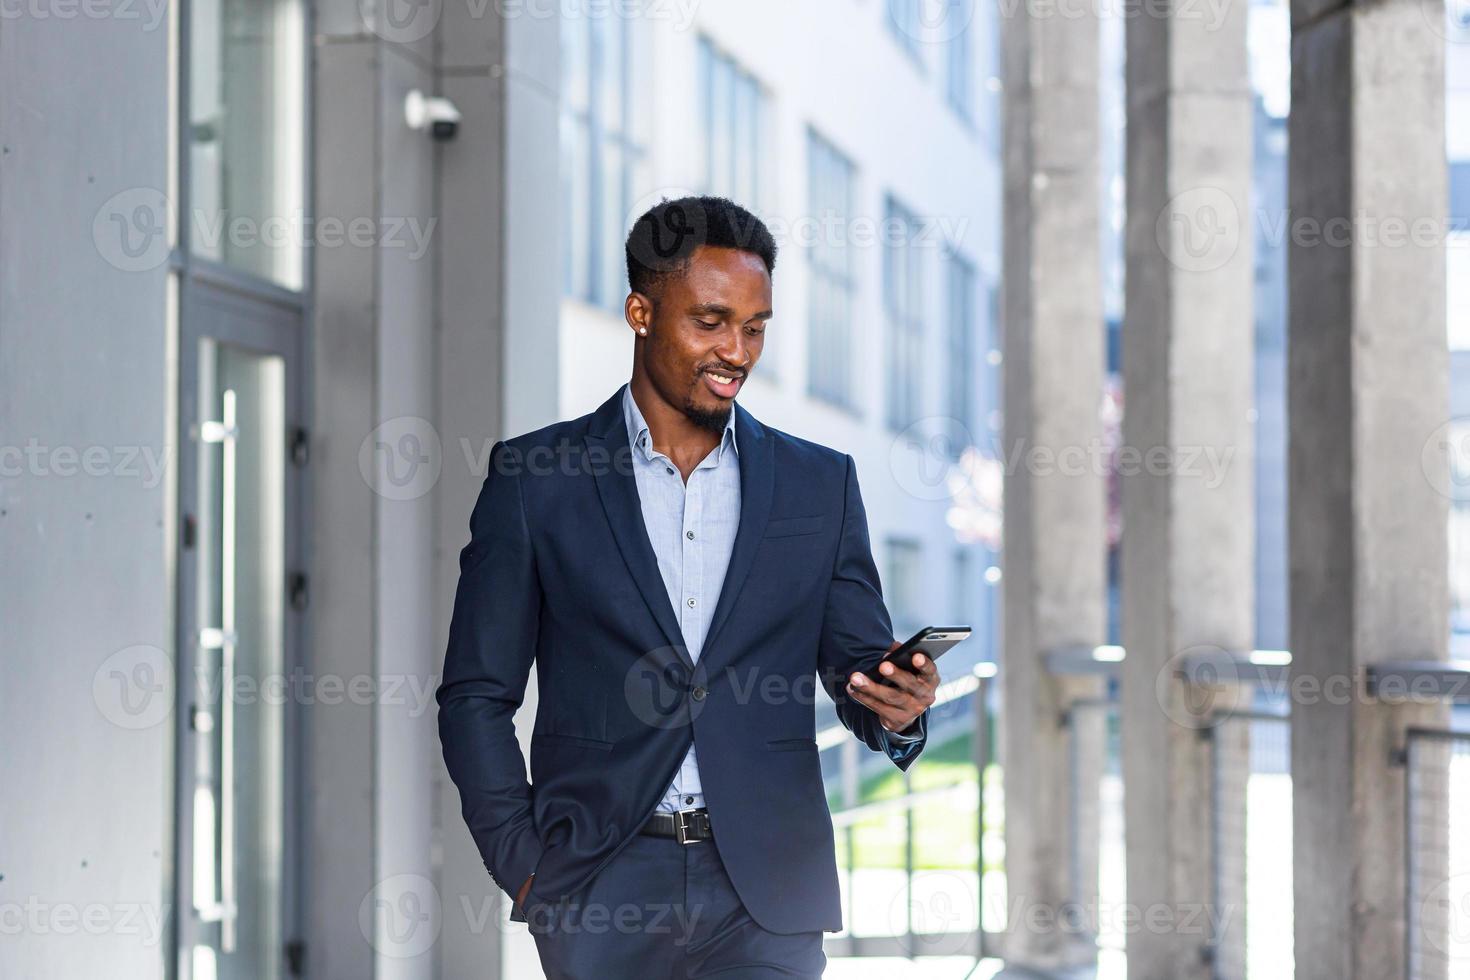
{"type": "Point", "coordinates": [681, 581]}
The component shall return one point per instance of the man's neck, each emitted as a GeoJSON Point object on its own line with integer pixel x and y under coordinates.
{"type": "Point", "coordinates": [670, 430]}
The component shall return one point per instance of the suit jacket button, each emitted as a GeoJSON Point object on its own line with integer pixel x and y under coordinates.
{"type": "Point", "coordinates": [698, 693]}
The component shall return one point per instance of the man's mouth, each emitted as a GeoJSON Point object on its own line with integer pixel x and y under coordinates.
{"type": "Point", "coordinates": [722, 384]}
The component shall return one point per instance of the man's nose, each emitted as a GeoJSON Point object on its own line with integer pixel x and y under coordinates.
{"type": "Point", "coordinates": [734, 352]}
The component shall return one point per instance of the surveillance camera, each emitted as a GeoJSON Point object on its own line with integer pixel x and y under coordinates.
{"type": "Point", "coordinates": [438, 115]}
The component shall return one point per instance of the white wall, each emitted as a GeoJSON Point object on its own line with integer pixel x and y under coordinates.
{"type": "Point", "coordinates": [86, 379]}
{"type": "Point", "coordinates": [832, 65]}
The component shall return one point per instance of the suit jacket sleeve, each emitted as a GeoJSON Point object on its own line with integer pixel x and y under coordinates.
{"type": "Point", "coordinates": [492, 644]}
{"type": "Point", "coordinates": [856, 632]}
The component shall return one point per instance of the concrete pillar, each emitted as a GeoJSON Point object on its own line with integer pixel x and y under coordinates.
{"type": "Point", "coordinates": [1054, 492]}
{"type": "Point", "coordinates": [370, 772]}
{"type": "Point", "coordinates": [1187, 468]}
{"type": "Point", "coordinates": [1367, 384]}
{"type": "Point", "coordinates": [498, 363]}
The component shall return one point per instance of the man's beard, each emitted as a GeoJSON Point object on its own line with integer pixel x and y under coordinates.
{"type": "Point", "coordinates": [711, 421]}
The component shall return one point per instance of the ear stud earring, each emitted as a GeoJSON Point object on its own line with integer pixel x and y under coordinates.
{"type": "Point", "coordinates": [643, 331]}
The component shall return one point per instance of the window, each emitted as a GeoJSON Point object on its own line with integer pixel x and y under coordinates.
{"type": "Point", "coordinates": [1458, 439]}
{"type": "Point", "coordinates": [964, 601]}
{"type": "Point", "coordinates": [993, 359]}
{"type": "Point", "coordinates": [959, 65]}
{"type": "Point", "coordinates": [599, 156]}
{"type": "Point", "coordinates": [903, 306]}
{"type": "Point", "coordinates": [986, 29]}
{"type": "Point", "coordinates": [960, 363]}
{"type": "Point", "coordinates": [905, 586]}
{"type": "Point", "coordinates": [832, 284]}
{"type": "Point", "coordinates": [246, 136]}
{"type": "Point", "coordinates": [732, 105]}
{"type": "Point", "coordinates": [1457, 254]}
{"type": "Point", "coordinates": [906, 25]}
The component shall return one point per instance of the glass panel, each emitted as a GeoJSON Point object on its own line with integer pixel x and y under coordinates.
{"type": "Point", "coordinates": [959, 82]}
{"type": "Point", "coordinates": [829, 191]}
{"type": "Point", "coordinates": [747, 145]}
{"type": "Point", "coordinates": [706, 111]}
{"type": "Point", "coordinates": [239, 727]}
{"type": "Point", "coordinates": [576, 206]}
{"type": "Point", "coordinates": [576, 57]}
{"type": "Point", "coordinates": [903, 302]}
{"type": "Point", "coordinates": [615, 200]}
{"type": "Point", "coordinates": [247, 98]}
{"type": "Point", "coordinates": [961, 350]}
{"type": "Point", "coordinates": [720, 123]}
{"type": "Point", "coordinates": [611, 38]}
{"type": "Point", "coordinates": [733, 108]}
{"type": "Point", "coordinates": [599, 155]}
{"type": "Point", "coordinates": [905, 599]}
{"type": "Point", "coordinates": [905, 24]}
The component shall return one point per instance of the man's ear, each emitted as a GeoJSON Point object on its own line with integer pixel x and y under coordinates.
{"type": "Point", "coordinates": [638, 311]}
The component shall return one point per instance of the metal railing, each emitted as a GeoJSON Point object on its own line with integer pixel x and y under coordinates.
{"type": "Point", "coordinates": [1251, 845]}
{"type": "Point", "coordinates": [1251, 816]}
{"type": "Point", "coordinates": [1095, 847]}
{"type": "Point", "coordinates": [1436, 764]}
{"type": "Point", "coordinates": [909, 907]}
{"type": "Point", "coordinates": [1437, 839]}
{"type": "Point", "coordinates": [907, 916]}
{"type": "Point", "coordinates": [1250, 773]}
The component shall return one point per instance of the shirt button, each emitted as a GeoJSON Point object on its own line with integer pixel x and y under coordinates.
{"type": "Point", "coordinates": [670, 470]}
{"type": "Point", "coordinates": [688, 799]}
{"type": "Point", "coordinates": [690, 601]}
{"type": "Point", "coordinates": [698, 694]}
{"type": "Point", "coordinates": [689, 535]}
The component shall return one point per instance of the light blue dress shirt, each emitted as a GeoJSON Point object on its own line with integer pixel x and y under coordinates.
{"type": "Point", "coordinates": [692, 529]}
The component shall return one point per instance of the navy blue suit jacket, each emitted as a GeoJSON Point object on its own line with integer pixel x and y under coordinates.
{"type": "Point", "coordinates": [559, 574]}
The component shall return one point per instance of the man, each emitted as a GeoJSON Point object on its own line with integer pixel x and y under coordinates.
{"type": "Point", "coordinates": [680, 575]}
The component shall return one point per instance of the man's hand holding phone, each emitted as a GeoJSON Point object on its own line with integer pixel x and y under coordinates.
{"type": "Point", "coordinates": [905, 695]}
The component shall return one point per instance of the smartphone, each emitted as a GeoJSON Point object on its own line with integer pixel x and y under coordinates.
{"type": "Point", "coordinates": [931, 641]}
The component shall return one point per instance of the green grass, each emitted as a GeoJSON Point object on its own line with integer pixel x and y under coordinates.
{"type": "Point", "coordinates": [944, 827]}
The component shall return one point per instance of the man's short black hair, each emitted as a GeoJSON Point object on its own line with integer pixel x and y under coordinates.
{"type": "Point", "coordinates": [665, 237]}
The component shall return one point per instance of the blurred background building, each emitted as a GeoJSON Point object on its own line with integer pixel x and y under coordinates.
{"type": "Point", "coordinates": [258, 334]}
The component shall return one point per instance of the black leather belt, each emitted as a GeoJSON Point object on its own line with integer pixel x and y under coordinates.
{"type": "Point", "coordinates": [684, 826]}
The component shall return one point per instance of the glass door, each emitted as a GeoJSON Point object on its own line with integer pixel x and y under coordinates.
{"type": "Point", "coordinates": [240, 603]}
{"type": "Point", "coordinates": [237, 727]}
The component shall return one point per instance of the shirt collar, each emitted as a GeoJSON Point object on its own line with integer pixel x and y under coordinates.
{"type": "Point", "coordinates": [642, 442]}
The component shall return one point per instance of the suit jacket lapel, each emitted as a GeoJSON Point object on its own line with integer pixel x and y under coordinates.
{"type": "Point", "coordinates": [612, 463]}
{"type": "Point", "coordinates": [757, 479]}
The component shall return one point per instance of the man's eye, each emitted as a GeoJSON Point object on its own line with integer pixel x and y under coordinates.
{"type": "Point", "coordinates": [706, 323]}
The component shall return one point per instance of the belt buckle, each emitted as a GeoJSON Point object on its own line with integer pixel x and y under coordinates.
{"type": "Point", "coordinates": [682, 828]}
